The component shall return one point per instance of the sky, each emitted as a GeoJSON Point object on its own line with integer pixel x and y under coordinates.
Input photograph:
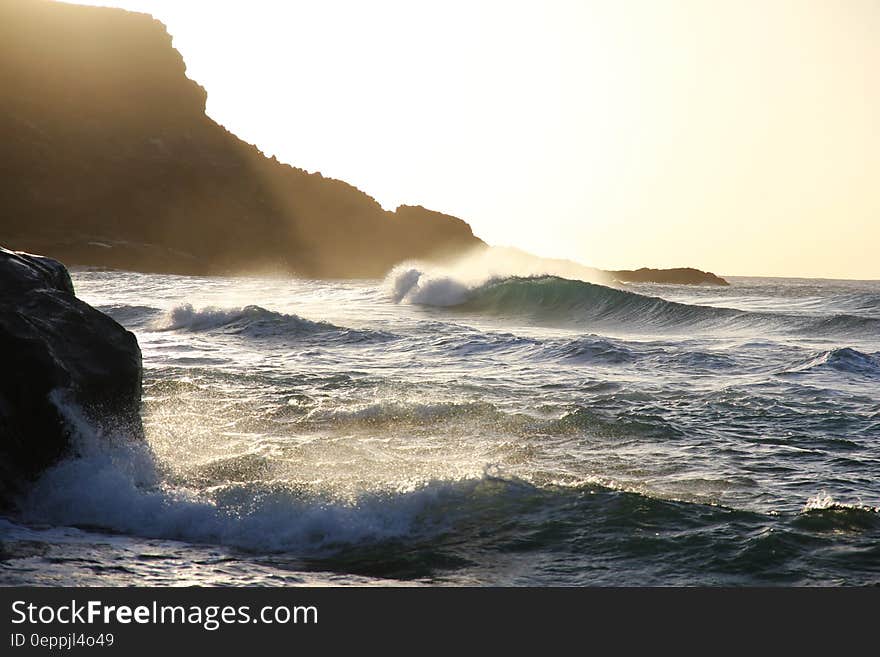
{"type": "Point", "coordinates": [740, 137]}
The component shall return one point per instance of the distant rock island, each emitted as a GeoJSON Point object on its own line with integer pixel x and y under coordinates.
{"type": "Point", "coordinates": [109, 159]}
{"type": "Point", "coordinates": [678, 276]}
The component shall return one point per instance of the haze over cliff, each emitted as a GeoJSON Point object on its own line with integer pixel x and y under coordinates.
{"type": "Point", "coordinates": [109, 159]}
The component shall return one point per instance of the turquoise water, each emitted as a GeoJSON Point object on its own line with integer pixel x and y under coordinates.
{"type": "Point", "coordinates": [507, 431]}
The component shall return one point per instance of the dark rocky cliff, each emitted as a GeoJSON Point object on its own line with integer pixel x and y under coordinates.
{"type": "Point", "coordinates": [109, 159]}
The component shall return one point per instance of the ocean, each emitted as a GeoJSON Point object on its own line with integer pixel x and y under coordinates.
{"type": "Point", "coordinates": [431, 429]}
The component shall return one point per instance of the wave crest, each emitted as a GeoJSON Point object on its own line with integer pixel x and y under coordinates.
{"type": "Point", "coordinates": [824, 513]}
{"type": "Point", "coordinates": [256, 321]}
{"type": "Point", "coordinates": [412, 285]}
{"type": "Point", "coordinates": [545, 297]}
{"type": "Point", "coordinates": [551, 299]}
{"type": "Point", "coordinates": [843, 359]}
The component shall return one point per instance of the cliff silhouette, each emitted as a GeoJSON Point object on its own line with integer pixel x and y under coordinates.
{"type": "Point", "coordinates": [109, 159]}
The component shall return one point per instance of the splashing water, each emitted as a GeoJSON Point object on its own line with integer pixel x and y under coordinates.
{"type": "Point", "coordinates": [471, 423]}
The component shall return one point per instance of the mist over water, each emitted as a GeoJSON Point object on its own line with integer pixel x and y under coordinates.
{"type": "Point", "coordinates": [480, 423]}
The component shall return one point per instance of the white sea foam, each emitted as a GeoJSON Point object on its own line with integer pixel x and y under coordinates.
{"type": "Point", "coordinates": [408, 284]}
{"type": "Point", "coordinates": [450, 283]}
{"type": "Point", "coordinates": [248, 319]}
{"type": "Point", "coordinates": [186, 317]}
{"type": "Point", "coordinates": [114, 483]}
{"type": "Point", "coordinates": [822, 501]}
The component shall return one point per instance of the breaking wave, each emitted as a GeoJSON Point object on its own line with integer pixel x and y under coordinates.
{"type": "Point", "coordinates": [255, 321]}
{"type": "Point", "coordinates": [845, 360]}
{"type": "Point", "coordinates": [114, 483]}
{"type": "Point", "coordinates": [552, 299]}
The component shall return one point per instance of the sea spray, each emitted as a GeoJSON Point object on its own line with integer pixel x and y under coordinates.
{"type": "Point", "coordinates": [547, 430]}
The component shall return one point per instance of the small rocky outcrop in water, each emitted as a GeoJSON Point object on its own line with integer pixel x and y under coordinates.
{"type": "Point", "coordinates": [678, 276]}
{"type": "Point", "coordinates": [55, 347]}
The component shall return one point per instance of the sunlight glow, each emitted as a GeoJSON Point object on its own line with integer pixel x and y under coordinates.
{"type": "Point", "coordinates": [734, 136]}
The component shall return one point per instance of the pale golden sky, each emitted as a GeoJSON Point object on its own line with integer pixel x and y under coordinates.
{"type": "Point", "coordinates": [740, 136]}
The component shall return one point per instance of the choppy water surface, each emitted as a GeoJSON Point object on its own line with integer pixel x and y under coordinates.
{"type": "Point", "coordinates": [517, 431]}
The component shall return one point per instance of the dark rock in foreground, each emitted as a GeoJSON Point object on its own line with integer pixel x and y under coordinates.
{"type": "Point", "coordinates": [679, 276]}
{"type": "Point", "coordinates": [56, 349]}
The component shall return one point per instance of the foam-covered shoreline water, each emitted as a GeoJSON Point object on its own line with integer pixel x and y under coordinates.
{"type": "Point", "coordinates": [438, 428]}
